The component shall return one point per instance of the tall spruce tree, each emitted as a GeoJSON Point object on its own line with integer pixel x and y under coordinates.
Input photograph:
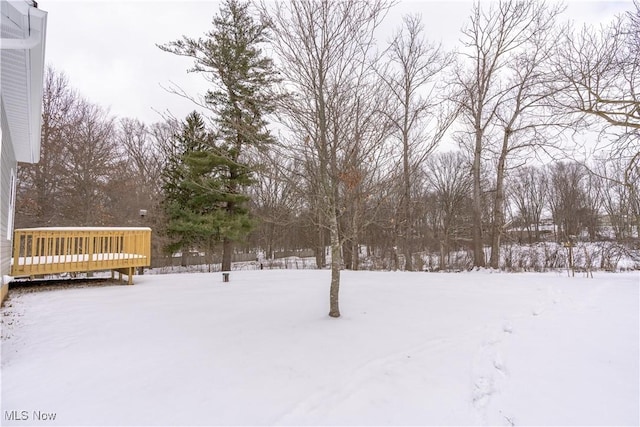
{"type": "Point", "coordinates": [195, 181]}
{"type": "Point", "coordinates": [242, 77]}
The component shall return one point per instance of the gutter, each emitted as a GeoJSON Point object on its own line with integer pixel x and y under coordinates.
{"type": "Point", "coordinates": [33, 21]}
{"type": "Point", "coordinates": [28, 43]}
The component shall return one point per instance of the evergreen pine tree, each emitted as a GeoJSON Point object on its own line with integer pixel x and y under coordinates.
{"type": "Point", "coordinates": [191, 211]}
{"type": "Point", "coordinates": [242, 77]}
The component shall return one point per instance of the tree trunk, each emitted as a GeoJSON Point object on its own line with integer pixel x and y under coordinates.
{"type": "Point", "coordinates": [408, 260]}
{"type": "Point", "coordinates": [336, 260]}
{"type": "Point", "coordinates": [498, 207]}
{"type": "Point", "coordinates": [536, 226]}
{"type": "Point", "coordinates": [210, 254]}
{"type": "Point", "coordinates": [321, 259]}
{"type": "Point", "coordinates": [355, 239]}
{"type": "Point", "coordinates": [406, 205]}
{"type": "Point", "coordinates": [634, 198]}
{"type": "Point", "coordinates": [227, 249]}
{"type": "Point", "coordinates": [478, 252]}
{"type": "Point", "coordinates": [347, 247]}
{"type": "Point", "coordinates": [355, 253]}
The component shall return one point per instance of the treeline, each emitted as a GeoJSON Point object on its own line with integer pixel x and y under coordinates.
{"type": "Point", "coordinates": [356, 166]}
{"type": "Point", "coordinates": [95, 169]}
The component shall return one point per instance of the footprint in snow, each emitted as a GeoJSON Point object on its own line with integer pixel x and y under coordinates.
{"type": "Point", "coordinates": [488, 362]}
{"type": "Point", "coordinates": [499, 365]}
{"type": "Point", "coordinates": [482, 391]}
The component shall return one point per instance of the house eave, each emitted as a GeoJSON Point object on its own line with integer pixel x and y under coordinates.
{"type": "Point", "coordinates": [24, 56]}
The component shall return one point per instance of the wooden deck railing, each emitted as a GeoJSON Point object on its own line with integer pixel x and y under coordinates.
{"type": "Point", "coordinates": [38, 251]}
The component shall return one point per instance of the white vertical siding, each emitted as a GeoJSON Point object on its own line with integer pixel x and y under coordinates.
{"type": "Point", "coordinates": [7, 165]}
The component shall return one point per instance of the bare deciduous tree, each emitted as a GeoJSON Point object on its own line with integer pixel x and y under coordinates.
{"type": "Point", "coordinates": [141, 165]}
{"type": "Point", "coordinates": [78, 157]}
{"type": "Point", "coordinates": [90, 154]}
{"type": "Point", "coordinates": [616, 198]}
{"type": "Point", "coordinates": [524, 117]}
{"type": "Point", "coordinates": [450, 183]}
{"type": "Point", "coordinates": [528, 192]}
{"type": "Point", "coordinates": [323, 47]}
{"type": "Point", "coordinates": [599, 70]}
{"type": "Point", "coordinates": [419, 114]}
{"type": "Point", "coordinates": [281, 212]}
{"type": "Point", "coordinates": [363, 164]}
{"type": "Point", "coordinates": [573, 199]}
{"type": "Point", "coordinates": [39, 187]}
{"type": "Point", "coordinates": [492, 38]}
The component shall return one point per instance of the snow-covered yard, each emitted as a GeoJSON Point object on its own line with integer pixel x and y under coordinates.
{"type": "Point", "coordinates": [410, 349]}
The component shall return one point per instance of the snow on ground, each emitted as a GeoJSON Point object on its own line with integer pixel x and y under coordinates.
{"type": "Point", "coordinates": [410, 349]}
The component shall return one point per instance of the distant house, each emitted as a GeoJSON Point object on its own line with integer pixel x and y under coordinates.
{"type": "Point", "coordinates": [22, 43]}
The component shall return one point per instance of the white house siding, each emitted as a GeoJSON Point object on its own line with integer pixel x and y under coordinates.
{"type": "Point", "coordinates": [22, 43]}
{"type": "Point", "coordinates": [8, 164]}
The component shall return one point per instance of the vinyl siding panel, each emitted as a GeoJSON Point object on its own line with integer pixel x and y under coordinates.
{"type": "Point", "coordinates": [21, 80]}
{"type": "Point", "coordinates": [7, 165]}
{"type": "Point", "coordinates": [21, 76]}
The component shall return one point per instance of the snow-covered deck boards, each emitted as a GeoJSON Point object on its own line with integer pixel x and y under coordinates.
{"type": "Point", "coordinates": [39, 251]}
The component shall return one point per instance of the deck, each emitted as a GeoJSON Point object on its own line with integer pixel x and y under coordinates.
{"type": "Point", "coordinates": [56, 250]}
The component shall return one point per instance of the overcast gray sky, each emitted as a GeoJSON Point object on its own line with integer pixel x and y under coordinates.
{"type": "Point", "coordinates": [108, 48]}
